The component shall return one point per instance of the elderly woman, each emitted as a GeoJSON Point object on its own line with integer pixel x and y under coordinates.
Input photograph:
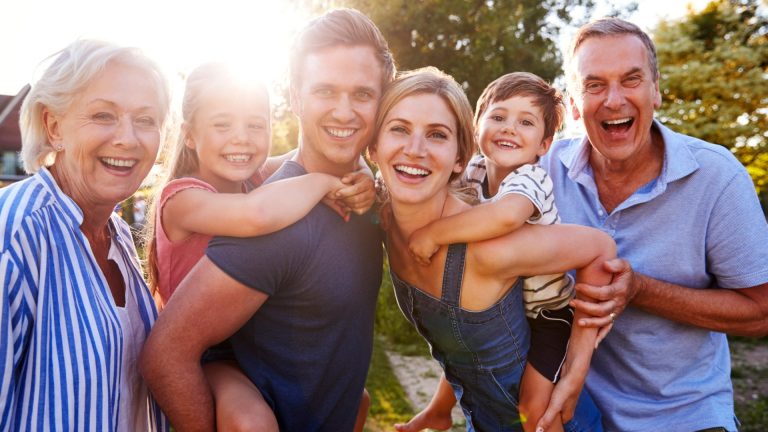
{"type": "Point", "coordinates": [467, 303]}
{"type": "Point", "coordinates": [75, 309]}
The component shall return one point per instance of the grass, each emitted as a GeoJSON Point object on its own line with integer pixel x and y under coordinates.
{"type": "Point", "coordinates": [749, 373]}
{"type": "Point", "coordinates": [389, 404]}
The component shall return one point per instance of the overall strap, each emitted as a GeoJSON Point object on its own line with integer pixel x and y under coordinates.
{"type": "Point", "coordinates": [453, 273]}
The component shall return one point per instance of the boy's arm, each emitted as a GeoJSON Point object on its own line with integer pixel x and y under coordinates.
{"type": "Point", "coordinates": [266, 209]}
{"type": "Point", "coordinates": [483, 222]}
{"type": "Point", "coordinates": [582, 343]}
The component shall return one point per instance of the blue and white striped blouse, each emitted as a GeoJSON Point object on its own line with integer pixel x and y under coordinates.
{"type": "Point", "coordinates": [61, 341]}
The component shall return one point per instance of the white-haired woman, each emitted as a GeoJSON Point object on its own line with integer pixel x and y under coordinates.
{"type": "Point", "coordinates": [74, 308]}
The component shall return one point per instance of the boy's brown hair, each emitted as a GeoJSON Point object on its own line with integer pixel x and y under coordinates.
{"type": "Point", "coordinates": [525, 84]}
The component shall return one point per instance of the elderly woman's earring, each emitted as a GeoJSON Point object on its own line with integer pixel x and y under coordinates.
{"type": "Point", "coordinates": [58, 147]}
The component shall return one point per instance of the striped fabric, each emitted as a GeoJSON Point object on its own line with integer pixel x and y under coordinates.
{"type": "Point", "coordinates": [542, 291]}
{"type": "Point", "coordinates": [61, 341]}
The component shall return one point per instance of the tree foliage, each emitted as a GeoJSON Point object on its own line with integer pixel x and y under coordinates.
{"type": "Point", "coordinates": [476, 41]}
{"type": "Point", "coordinates": [714, 79]}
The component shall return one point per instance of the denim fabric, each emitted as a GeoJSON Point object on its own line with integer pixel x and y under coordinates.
{"type": "Point", "coordinates": [483, 353]}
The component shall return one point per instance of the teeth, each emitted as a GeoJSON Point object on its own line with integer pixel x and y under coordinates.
{"type": "Point", "coordinates": [411, 170]}
{"type": "Point", "coordinates": [119, 162]}
{"type": "Point", "coordinates": [507, 144]}
{"type": "Point", "coordinates": [237, 157]}
{"type": "Point", "coordinates": [340, 133]}
{"type": "Point", "coordinates": [618, 121]}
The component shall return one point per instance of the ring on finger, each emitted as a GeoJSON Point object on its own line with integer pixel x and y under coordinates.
{"type": "Point", "coordinates": [613, 317]}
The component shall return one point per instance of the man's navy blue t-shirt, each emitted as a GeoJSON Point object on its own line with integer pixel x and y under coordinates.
{"type": "Point", "coordinates": [308, 347]}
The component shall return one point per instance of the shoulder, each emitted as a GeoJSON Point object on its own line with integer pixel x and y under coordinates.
{"type": "Point", "coordinates": [177, 185]}
{"type": "Point", "coordinates": [475, 168]}
{"type": "Point", "coordinates": [18, 203]}
{"type": "Point", "coordinates": [563, 153]}
{"type": "Point", "coordinates": [527, 177]}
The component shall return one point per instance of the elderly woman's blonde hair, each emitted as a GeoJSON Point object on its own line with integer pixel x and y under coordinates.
{"type": "Point", "coordinates": [430, 80]}
{"type": "Point", "coordinates": [71, 72]}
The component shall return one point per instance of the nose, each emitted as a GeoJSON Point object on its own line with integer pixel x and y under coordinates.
{"type": "Point", "coordinates": [125, 135]}
{"type": "Point", "coordinates": [508, 127]}
{"type": "Point", "coordinates": [241, 134]}
{"type": "Point", "coordinates": [343, 111]}
{"type": "Point", "coordinates": [415, 147]}
{"type": "Point", "coordinates": [614, 98]}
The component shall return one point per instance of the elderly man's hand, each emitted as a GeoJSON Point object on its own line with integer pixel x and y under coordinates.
{"type": "Point", "coordinates": [606, 302]}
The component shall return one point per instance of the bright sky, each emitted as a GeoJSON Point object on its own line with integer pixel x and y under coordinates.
{"type": "Point", "coordinates": [180, 34]}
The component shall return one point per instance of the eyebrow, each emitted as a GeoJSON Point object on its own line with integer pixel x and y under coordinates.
{"type": "Point", "coordinates": [634, 70]}
{"type": "Point", "coordinates": [112, 103]}
{"type": "Point", "coordinates": [321, 85]}
{"type": "Point", "coordinates": [408, 122]}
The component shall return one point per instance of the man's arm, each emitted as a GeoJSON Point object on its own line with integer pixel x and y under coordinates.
{"type": "Point", "coordinates": [742, 312]}
{"type": "Point", "coordinates": [483, 222]}
{"type": "Point", "coordinates": [207, 307]}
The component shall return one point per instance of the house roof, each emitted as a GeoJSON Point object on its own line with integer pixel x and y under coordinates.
{"type": "Point", "coordinates": [10, 135]}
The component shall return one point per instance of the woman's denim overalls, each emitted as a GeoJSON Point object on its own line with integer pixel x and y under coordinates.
{"type": "Point", "coordinates": [482, 353]}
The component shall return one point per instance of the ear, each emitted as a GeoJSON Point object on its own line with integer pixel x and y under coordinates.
{"type": "Point", "coordinates": [656, 95]}
{"type": "Point", "coordinates": [544, 147]}
{"type": "Point", "coordinates": [52, 123]}
{"type": "Point", "coordinates": [294, 100]}
{"type": "Point", "coordinates": [186, 133]}
{"type": "Point", "coordinates": [458, 167]}
{"type": "Point", "coordinates": [574, 109]}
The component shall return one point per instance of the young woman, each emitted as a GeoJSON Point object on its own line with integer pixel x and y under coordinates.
{"type": "Point", "coordinates": [467, 303]}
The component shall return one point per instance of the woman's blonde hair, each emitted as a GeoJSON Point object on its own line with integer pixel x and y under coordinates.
{"type": "Point", "coordinates": [183, 160]}
{"type": "Point", "coordinates": [430, 80]}
{"type": "Point", "coordinates": [72, 70]}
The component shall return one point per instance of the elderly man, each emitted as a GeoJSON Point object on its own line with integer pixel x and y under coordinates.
{"type": "Point", "coordinates": [304, 296]}
{"type": "Point", "coordinates": [686, 219]}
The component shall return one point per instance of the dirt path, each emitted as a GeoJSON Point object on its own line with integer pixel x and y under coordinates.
{"type": "Point", "coordinates": [419, 377]}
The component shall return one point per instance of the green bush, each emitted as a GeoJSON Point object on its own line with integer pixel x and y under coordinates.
{"type": "Point", "coordinates": [392, 325]}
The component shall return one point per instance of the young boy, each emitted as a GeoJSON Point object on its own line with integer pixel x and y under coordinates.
{"type": "Point", "coordinates": [516, 119]}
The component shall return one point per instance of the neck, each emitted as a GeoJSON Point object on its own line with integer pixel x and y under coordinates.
{"type": "Point", "coordinates": [496, 175]}
{"type": "Point", "coordinates": [408, 218]}
{"type": "Point", "coordinates": [640, 168]}
{"type": "Point", "coordinates": [315, 162]}
{"type": "Point", "coordinates": [95, 214]}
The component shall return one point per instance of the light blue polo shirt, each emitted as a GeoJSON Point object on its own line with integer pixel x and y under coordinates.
{"type": "Point", "coordinates": [699, 224]}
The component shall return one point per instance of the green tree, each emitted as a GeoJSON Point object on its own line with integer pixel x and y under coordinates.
{"type": "Point", "coordinates": [475, 41]}
{"type": "Point", "coordinates": [714, 79]}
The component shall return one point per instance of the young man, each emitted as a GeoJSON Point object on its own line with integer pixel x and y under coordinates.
{"type": "Point", "coordinates": [684, 213]}
{"type": "Point", "coordinates": [303, 298]}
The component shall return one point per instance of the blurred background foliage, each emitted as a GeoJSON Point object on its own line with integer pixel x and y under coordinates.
{"type": "Point", "coordinates": [713, 63]}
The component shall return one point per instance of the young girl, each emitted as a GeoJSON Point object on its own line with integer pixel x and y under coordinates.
{"type": "Point", "coordinates": [467, 301]}
{"type": "Point", "coordinates": [225, 139]}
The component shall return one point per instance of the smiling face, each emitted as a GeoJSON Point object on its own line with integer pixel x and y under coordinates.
{"type": "Point", "coordinates": [511, 133]}
{"type": "Point", "coordinates": [616, 95]}
{"type": "Point", "coordinates": [230, 133]}
{"type": "Point", "coordinates": [336, 101]}
{"type": "Point", "coordinates": [417, 148]}
{"type": "Point", "coordinates": [110, 136]}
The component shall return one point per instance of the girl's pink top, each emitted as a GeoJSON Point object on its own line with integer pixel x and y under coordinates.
{"type": "Point", "coordinates": [176, 259]}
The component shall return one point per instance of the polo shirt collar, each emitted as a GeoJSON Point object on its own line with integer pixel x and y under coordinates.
{"type": "Point", "coordinates": [679, 162]}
